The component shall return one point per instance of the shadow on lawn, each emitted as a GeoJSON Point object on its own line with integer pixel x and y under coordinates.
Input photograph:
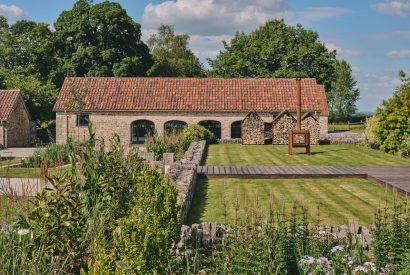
{"type": "Point", "coordinates": [200, 202]}
{"type": "Point", "coordinates": [320, 152]}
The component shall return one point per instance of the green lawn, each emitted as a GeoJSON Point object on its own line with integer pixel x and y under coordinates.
{"type": "Point", "coordinates": [27, 172]}
{"type": "Point", "coordinates": [356, 128]}
{"type": "Point", "coordinates": [339, 200]}
{"type": "Point", "coordinates": [277, 155]}
{"type": "Point", "coordinates": [9, 160]}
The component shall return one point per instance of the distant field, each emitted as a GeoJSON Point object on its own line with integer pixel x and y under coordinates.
{"type": "Point", "coordinates": [339, 200]}
{"type": "Point", "coordinates": [356, 128]}
{"type": "Point", "coordinates": [277, 155]}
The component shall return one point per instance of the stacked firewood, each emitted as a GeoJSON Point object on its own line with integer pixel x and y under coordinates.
{"type": "Point", "coordinates": [253, 129]}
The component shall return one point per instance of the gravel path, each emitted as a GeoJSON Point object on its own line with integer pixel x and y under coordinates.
{"type": "Point", "coordinates": [17, 152]}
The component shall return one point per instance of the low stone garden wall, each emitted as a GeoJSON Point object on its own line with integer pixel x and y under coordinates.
{"type": "Point", "coordinates": [342, 138]}
{"type": "Point", "coordinates": [183, 174]}
{"type": "Point", "coordinates": [207, 235]}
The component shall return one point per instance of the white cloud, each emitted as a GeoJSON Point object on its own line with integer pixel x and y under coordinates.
{"type": "Point", "coordinates": [402, 35]}
{"type": "Point", "coordinates": [208, 22]}
{"type": "Point", "coordinates": [221, 17]}
{"type": "Point", "coordinates": [393, 7]}
{"type": "Point", "coordinates": [346, 53]}
{"type": "Point", "coordinates": [319, 13]}
{"type": "Point", "coordinates": [398, 54]}
{"type": "Point", "coordinates": [375, 87]}
{"type": "Point", "coordinates": [12, 13]}
{"type": "Point", "coordinates": [356, 69]}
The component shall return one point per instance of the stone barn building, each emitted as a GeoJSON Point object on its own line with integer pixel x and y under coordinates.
{"type": "Point", "coordinates": [131, 107]}
{"type": "Point", "coordinates": [14, 120]}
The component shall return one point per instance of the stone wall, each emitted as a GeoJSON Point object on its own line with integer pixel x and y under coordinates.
{"type": "Point", "coordinates": [342, 138]}
{"type": "Point", "coordinates": [311, 123]}
{"type": "Point", "coordinates": [210, 234]}
{"type": "Point", "coordinates": [183, 174]}
{"type": "Point", "coordinates": [106, 124]}
{"type": "Point", "coordinates": [17, 127]}
{"type": "Point", "coordinates": [2, 135]}
{"type": "Point", "coordinates": [323, 124]}
{"type": "Point", "coordinates": [281, 126]}
{"type": "Point", "coordinates": [253, 129]}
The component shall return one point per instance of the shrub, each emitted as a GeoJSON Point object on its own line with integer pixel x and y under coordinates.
{"type": "Point", "coordinates": [146, 236]}
{"type": "Point", "coordinates": [393, 129]}
{"type": "Point", "coordinates": [168, 143]}
{"type": "Point", "coordinates": [55, 154]}
{"type": "Point", "coordinates": [196, 133]}
{"type": "Point", "coordinates": [370, 132]}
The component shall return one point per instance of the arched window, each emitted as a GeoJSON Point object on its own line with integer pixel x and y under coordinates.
{"type": "Point", "coordinates": [174, 125]}
{"type": "Point", "coordinates": [236, 129]}
{"type": "Point", "coordinates": [213, 126]}
{"type": "Point", "coordinates": [140, 129]}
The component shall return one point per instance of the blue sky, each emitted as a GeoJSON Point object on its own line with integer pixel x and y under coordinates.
{"type": "Point", "coordinates": [373, 36]}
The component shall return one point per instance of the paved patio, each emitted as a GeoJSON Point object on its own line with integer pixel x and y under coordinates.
{"type": "Point", "coordinates": [17, 152]}
{"type": "Point", "coordinates": [397, 178]}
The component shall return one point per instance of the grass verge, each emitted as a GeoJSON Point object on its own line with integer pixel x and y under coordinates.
{"type": "Point", "coordinates": [332, 201]}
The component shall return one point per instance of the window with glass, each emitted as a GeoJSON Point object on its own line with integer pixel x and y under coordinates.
{"type": "Point", "coordinates": [140, 129]}
{"type": "Point", "coordinates": [83, 120]}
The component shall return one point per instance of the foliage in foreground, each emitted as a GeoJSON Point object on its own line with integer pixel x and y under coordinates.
{"type": "Point", "coordinates": [54, 155]}
{"type": "Point", "coordinates": [105, 195]}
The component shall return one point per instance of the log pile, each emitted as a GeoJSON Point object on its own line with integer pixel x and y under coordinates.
{"type": "Point", "coordinates": [311, 123]}
{"type": "Point", "coordinates": [253, 129]}
{"type": "Point", "coordinates": [281, 126]}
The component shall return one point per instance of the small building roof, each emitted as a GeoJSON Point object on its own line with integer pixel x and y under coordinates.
{"type": "Point", "coordinates": [190, 94]}
{"type": "Point", "coordinates": [8, 100]}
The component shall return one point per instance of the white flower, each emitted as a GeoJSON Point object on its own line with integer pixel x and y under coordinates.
{"type": "Point", "coordinates": [23, 232]}
{"type": "Point", "coordinates": [307, 261]}
{"type": "Point", "coordinates": [370, 266]}
{"type": "Point", "coordinates": [337, 249]}
{"type": "Point", "coordinates": [359, 269]}
{"type": "Point", "coordinates": [324, 262]}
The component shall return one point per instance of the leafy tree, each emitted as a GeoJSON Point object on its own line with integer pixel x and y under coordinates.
{"type": "Point", "coordinates": [39, 97]}
{"type": "Point", "coordinates": [27, 48]}
{"type": "Point", "coordinates": [344, 93]}
{"type": "Point", "coordinates": [393, 131]}
{"type": "Point", "coordinates": [276, 50]}
{"type": "Point", "coordinates": [27, 59]}
{"type": "Point", "coordinates": [171, 54]}
{"type": "Point", "coordinates": [100, 40]}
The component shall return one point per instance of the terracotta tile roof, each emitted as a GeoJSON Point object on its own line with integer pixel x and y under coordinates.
{"type": "Point", "coordinates": [324, 107]}
{"type": "Point", "coordinates": [8, 99]}
{"type": "Point", "coordinates": [190, 94]}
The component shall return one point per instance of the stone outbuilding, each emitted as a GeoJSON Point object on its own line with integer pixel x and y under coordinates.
{"type": "Point", "coordinates": [14, 120]}
{"type": "Point", "coordinates": [253, 129]}
{"type": "Point", "coordinates": [132, 107]}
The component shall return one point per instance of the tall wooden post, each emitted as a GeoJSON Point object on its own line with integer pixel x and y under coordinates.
{"type": "Point", "coordinates": [298, 104]}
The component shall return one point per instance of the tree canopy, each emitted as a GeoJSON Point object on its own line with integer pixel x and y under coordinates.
{"type": "Point", "coordinates": [100, 40]}
{"type": "Point", "coordinates": [393, 129]}
{"type": "Point", "coordinates": [172, 56]}
{"type": "Point", "coordinates": [27, 61]}
{"type": "Point", "coordinates": [344, 93]}
{"type": "Point", "coordinates": [276, 50]}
